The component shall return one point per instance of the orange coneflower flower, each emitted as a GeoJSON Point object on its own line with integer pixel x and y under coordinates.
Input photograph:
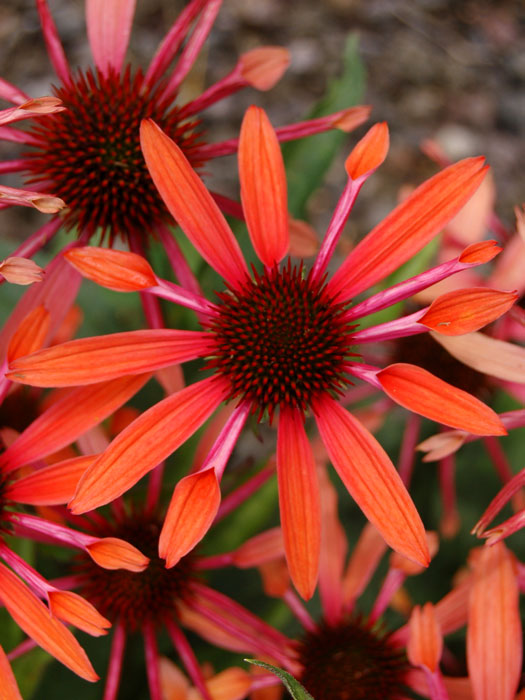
{"type": "Point", "coordinates": [89, 155]}
{"type": "Point", "coordinates": [279, 340]}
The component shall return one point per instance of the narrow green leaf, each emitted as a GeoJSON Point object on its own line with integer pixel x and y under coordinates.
{"type": "Point", "coordinates": [292, 685]}
{"type": "Point", "coordinates": [308, 159]}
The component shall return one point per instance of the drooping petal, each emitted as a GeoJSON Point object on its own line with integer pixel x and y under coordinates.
{"type": "Point", "coordinates": [467, 310]}
{"type": "Point", "coordinates": [21, 271]}
{"type": "Point", "coordinates": [494, 357]}
{"type": "Point", "coordinates": [264, 547]}
{"type": "Point", "coordinates": [68, 418]}
{"type": "Point", "coordinates": [8, 686]}
{"type": "Point", "coordinates": [333, 552]}
{"type": "Point", "coordinates": [50, 486]}
{"type": "Point", "coordinates": [299, 502]}
{"type": "Point", "coordinates": [263, 67]}
{"type": "Point", "coordinates": [108, 30]}
{"type": "Point", "coordinates": [119, 270]}
{"type": "Point", "coordinates": [494, 641]}
{"type": "Point", "coordinates": [408, 228]}
{"type": "Point", "coordinates": [152, 437]}
{"type": "Point", "coordinates": [193, 507]}
{"type": "Point", "coordinates": [114, 553]}
{"type": "Point", "coordinates": [56, 293]}
{"type": "Point", "coordinates": [190, 203]}
{"type": "Point", "coordinates": [77, 611]}
{"type": "Point", "coordinates": [30, 334]}
{"type": "Point", "coordinates": [420, 391]}
{"type": "Point", "coordinates": [98, 359]}
{"type": "Point", "coordinates": [425, 644]}
{"type": "Point", "coordinates": [369, 153]}
{"type": "Point", "coordinates": [46, 203]}
{"type": "Point", "coordinates": [34, 618]}
{"type": "Point", "coordinates": [263, 187]}
{"type": "Point", "coordinates": [363, 562]}
{"type": "Point", "coordinates": [371, 479]}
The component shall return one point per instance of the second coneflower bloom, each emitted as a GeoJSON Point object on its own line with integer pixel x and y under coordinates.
{"type": "Point", "coordinates": [280, 343]}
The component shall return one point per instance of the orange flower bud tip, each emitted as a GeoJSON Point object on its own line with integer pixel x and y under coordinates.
{"type": "Point", "coordinates": [263, 67]}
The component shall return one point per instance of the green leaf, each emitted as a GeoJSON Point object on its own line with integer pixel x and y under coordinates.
{"type": "Point", "coordinates": [308, 159]}
{"type": "Point", "coordinates": [292, 685]}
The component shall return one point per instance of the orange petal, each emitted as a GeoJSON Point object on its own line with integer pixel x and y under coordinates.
{"type": "Point", "coordinates": [21, 271]}
{"type": "Point", "coordinates": [173, 682]}
{"type": "Point", "coordinates": [8, 686]}
{"type": "Point", "coordinates": [299, 502]}
{"type": "Point", "coordinates": [113, 553]}
{"type": "Point", "coordinates": [408, 228]}
{"type": "Point", "coordinates": [371, 479]}
{"type": "Point", "coordinates": [264, 66]}
{"type": "Point", "coordinates": [369, 153]}
{"type": "Point", "coordinates": [101, 358]}
{"type": "Point", "coordinates": [264, 547]}
{"type": "Point", "coordinates": [263, 187]}
{"type": "Point", "coordinates": [494, 641]}
{"type": "Point", "coordinates": [37, 622]}
{"type": "Point", "coordinates": [73, 609]}
{"type": "Point", "coordinates": [230, 684]}
{"type": "Point", "coordinates": [363, 562]}
{"type": "Point", "coordinates": [467, 310]}
{"type": "Point", "coordinates": [481, 252]}
{"type": "Point", "coordinates": [193, 507]}
{"type": "Point", "coordinates": [71, 416]}
{"type": "Point", "coordinates": [420, 391]}
{"type": "Point", "coordinates": [191, 204]}
{"type": "Point", "coordinates": [494, 357]}
{"type": "Point", "coordinates": [275, 577]}
{"type": "Point", "coordinates": [442, 444]}
{"type": "Point", "coordinates": [152, 437]}
{"type": "Point", "coordinates": [30, 334]}
{"type": "Point", "coordinates": [333, 552]}
{"type": "Point", "coordinates": [50, 486]}
{"type": "Point", "coordinates": [304, 242]}
{"type": "Point", "coordinates": [425, 643]}
{"type": "Point", "coordinates": [114, 269]}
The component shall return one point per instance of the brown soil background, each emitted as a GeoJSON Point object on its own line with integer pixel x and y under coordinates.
{"type": "Point", "coordinates": [454, 71]}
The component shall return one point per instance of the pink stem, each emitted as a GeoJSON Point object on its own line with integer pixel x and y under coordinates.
{"type": "Point", "coordinates": [497, 503]}
{"type": "Point", "coordinates": [235, 498]}
{"type": "Point", "coordinates": [192, 48]}
{"type": "Point", "coordinates": [499, 459]}
{"type": "Point", "coordinates": [115, 662]}
{"type": "Point", "coordinates": [152, 661]}
{"type": "Point", "coordinates": [53, 44]}
{"type": "Point", "coordinates": [398, 328]}
{"type": "Point", "coordinates": [408, 448]}
{"type": "Point", "coordinates": [154, 487]}
{"type": "Point", "coordinates": [179, 295]}
{"type": "Point", "coordinates": [172, 42]}
{"type": "Point", "coordinates": [223, 446]}
{"type": "Point", "coordinates": [392, 583]}
{"type": "Point", "coordinates": [182, 270]}
{"type": "Point", "coordinates": [300, 612]}
{"type": "Point", "coordinates": [188, 658]}
{"type": "Point", "coordinates": [447, 471]}
{"type": "Point", "coordinates": [335, 227]}
{"type": "Point", "coordinates": [14, 166]}
{"type": "Point", "coordinates": [228, 206]}
{"type": "Point", "coordinates": [22, 648]}
{"type": "Point", "coordinates": [216, 561]}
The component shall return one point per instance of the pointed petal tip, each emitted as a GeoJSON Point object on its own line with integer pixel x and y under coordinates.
{"type": "Point", "coordinates": [352, 118]}
{"type": "Point", "coordinates": [263, 67]}
{"type": "Point", "coordinates": [369, 153]}
{"type": "Point", "coordinates": [263, 187]}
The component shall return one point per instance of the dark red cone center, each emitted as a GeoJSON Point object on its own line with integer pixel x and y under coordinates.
{"type": "Point", "coordinates": [90, 156]}
{"type": "Point", "coordinates": [281, 340]}
{"type": "Point", "coordinates": [352, 662]}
